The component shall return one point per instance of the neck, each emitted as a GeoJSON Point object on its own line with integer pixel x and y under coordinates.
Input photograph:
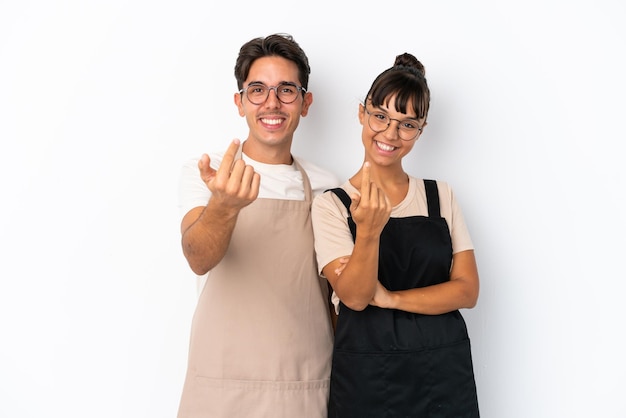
{"type": "Point", "coordinates": [393, 181]}
{"type": "Point", "coordinates": [387, 177]}
{"type": "Point", "coordinates": [268, 155]}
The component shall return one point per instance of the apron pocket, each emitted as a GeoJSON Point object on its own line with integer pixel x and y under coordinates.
{"type": "Point", "coordinates": [435, 382]}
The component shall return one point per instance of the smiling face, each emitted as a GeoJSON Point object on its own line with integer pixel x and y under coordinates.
{"type": "Point", "coordinates": [272, 123]}
{"type": "Point", "coordinates": [385, 148]}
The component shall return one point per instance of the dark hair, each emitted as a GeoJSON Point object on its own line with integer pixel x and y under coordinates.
{"type": "Point", "coordinates": [406, 82]}
{"type": "Point", "coordinates": [281, 45]}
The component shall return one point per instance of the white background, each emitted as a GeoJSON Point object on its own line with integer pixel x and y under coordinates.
{"type": "Point", "coordinates": [101, 102]}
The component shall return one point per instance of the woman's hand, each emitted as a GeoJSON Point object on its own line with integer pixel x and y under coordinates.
{"type": "Point", "coordinates": [343, 262]}
{"type": "Point", "coordinates": [382, 297]}
{"type": "Point", "coordinates": [371, 209]}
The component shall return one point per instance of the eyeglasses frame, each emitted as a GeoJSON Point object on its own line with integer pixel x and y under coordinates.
{"type": "Point", "coordinates": [419, 128]}
{"type": "Point", "coordinates": [275, 88]}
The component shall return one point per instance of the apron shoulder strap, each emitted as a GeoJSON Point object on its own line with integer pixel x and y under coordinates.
{"type": "Point", "coordinates": [432, 197]}
{"type": "Point", "coordinates": [345, 199]}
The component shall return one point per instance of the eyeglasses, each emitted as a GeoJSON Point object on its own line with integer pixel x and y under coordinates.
{"type": "Point", "coordinates": [257, 93]}
{"type": "Point", "coordinates": [408, 129]}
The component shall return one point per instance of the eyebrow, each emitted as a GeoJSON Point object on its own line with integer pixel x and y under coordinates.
{"type": "Point", "coordinates": [381, 110]}
{"type": "Point", "coordinates": [279, 83]}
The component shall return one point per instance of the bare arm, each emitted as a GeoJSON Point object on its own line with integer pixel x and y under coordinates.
{"type": "Point", "coordinates": [355, 283]}
{"type": "Point", "coordinates": [461, 291]}
{"type": "Point", "coordinates": [206, 231]}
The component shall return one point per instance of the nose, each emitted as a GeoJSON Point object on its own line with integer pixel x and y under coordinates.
{"type": "Point", "coordinates": [392, 130]}
{"type": "Point", "coordinates": [272, 99]}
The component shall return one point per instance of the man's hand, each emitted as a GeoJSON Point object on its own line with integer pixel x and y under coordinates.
{"type": "Point", "coordinates": [234, 185]}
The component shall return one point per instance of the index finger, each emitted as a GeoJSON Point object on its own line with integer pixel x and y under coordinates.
{"type": "Point", "coordinates": [229, 158]}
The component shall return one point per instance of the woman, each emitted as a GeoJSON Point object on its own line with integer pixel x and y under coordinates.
{"type": "Point", "coordinates": [401, 263]}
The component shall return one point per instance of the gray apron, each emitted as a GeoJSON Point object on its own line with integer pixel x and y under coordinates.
{"type": "Point", "coordinates": [261, 337]}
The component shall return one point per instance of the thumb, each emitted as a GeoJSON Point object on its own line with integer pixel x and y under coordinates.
{"type": "Point", "coordinates": [356, 199]}
{"type": "Point", "coordinates": [204, 165]}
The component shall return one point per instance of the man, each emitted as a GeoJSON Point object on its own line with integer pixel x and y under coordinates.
{"type": "Point", "coordinates": [261, 338]}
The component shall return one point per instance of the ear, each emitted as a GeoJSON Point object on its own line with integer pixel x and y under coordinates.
{"type": "Point", "coordinates": [361, 113]}
{"type": "Point", "coordinates": [307, 101]}
{"type": "Point", "coordinates": [239, 104]}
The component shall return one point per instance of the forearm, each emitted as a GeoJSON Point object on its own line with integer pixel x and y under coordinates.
{"type": "Point", "coordinates": [434, 300]}
{"type": "Point", "coordinates": [460, 291]}
{"type": "Point", "coordinates": [206, 239]}
{"type": "Point", "coordinates": [357, 283]}
{"type": "Point", "coordinates": [370, 210]}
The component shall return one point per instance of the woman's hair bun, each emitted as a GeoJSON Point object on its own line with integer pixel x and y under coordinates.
{"type": "Point", "coordinates": [409, 61]}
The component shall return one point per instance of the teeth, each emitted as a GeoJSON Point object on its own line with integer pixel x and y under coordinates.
{"type": "Point", "coordinates": [385, 147]}
{"type": "Point", "coordinates": [271, 121]}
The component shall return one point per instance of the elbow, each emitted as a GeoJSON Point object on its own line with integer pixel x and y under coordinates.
{"type": "Point", "coordinates": [198, 265]}
{"type": "Point", "coordinates": [195, 266]}
{"type": "Point", "coordinates": [356, 307]}
{"type": "Point", "coordinates": [356, 304]}
{"type": "Point", "coordinates": [357, 301]}
{"type": "Point", "coordinates": [471, 304]}
{"type": "Point", "coordinates": [198, 270]}
{"type": "Point", "coordinates": [471, 300]}
{"type": "Point", "coordinates": [466, 292]}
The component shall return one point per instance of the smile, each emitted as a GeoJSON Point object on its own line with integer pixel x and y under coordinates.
{"type": "Point", "coordinates": [271, 121]}
{"type": "Point", "coordinates": [385, 147]}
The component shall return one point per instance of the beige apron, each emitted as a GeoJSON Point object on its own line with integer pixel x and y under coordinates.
{"type": "Point", "coordinates": [261, 338]}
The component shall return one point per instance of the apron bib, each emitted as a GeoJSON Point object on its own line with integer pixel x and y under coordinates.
{"type": "Point", "coordinates": [392, 363]}
{"type": "Point", "coordinates": [261, 337]}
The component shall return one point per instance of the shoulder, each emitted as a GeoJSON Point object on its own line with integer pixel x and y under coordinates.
{"type": "Point", "coordinates": [445, 190]}
{"type": "Point", "coordinates": [321, 179]}
{"type": "Point", "coordinates": [330, 202]}
{"type": "Point", "coordinates": [314, 170]}
{"type": "Point", "coordinates": [443, 187]}
{"type": "Point", "coordinates": [447, 200]}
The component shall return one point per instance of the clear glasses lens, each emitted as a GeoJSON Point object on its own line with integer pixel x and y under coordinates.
{"type": "Point", "coordinates": [286, 92]}
{"type": "Point", "coordinates": [407, 129]}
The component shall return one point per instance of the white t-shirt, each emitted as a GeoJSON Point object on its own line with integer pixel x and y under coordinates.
{"type": "Point", "coordinates": [278, 181]}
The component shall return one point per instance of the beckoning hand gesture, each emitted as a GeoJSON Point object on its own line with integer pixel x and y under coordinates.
{"type": "Point", "coordinates": [234, 185]}
{"type": "Point", "coordinates": [370, 210]}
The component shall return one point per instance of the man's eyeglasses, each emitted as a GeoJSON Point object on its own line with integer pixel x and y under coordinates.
{"type": "Point", "coordinates": [257, 93]}
{"type": "Point", "coordinates": [408, 129]}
